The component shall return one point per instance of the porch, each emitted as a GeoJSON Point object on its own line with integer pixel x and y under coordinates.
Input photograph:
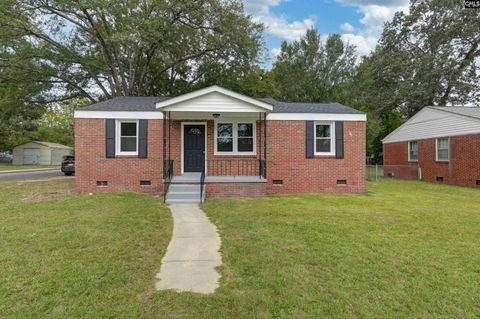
{"type": "Point", "coordinates": [190, 174]}
{"type": "Point", "coordinates": [215, 137]}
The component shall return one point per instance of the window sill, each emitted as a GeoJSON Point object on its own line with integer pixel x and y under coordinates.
{"type": "Point", "coordinates": [324, 155]}
{"type": "Point", "coordinates": [442, 162]}
{"type": "Point", "coordinates": [125, 156]}
{"type": "Point", "coordinates": [412, 161]}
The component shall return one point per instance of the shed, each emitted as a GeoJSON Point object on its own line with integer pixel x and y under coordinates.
{"type": "Point", "coordinates": [42, 153]}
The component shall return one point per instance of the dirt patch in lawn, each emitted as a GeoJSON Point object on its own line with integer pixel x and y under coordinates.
{"type": "Point", "coordinates": [40, 197]}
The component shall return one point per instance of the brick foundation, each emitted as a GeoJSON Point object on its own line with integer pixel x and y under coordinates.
{"type": "Point", "coordinates": [219, 190]}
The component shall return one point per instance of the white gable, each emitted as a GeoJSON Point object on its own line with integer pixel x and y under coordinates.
{"type": "Point", "coordinates": [432, 123]}
{"type": "Point", "coordinates": [213, 99]}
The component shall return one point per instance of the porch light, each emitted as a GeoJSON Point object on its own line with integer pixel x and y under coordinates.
{"type": "Point", "coordinates": [216, 115]}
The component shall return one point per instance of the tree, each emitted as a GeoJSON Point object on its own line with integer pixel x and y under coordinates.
{"type": "Point", "coordinates": [57, 123]}
{"type": "Point", "coordinates": [107, 48]}
{"type": "Point", "coordinates": [428, 57]}
{"type": "Point", "coordinates": [309, 70]}
{"type": "Point", "coordinates": [21, 103]}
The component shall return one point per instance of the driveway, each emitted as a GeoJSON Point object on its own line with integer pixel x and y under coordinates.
{"type": "Point", "coordinates": [19, 176]}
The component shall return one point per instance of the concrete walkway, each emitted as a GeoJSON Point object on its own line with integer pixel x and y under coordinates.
{"type": "Point", "coordinates": [193, 253]}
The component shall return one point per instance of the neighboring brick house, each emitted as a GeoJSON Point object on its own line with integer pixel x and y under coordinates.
{"type": "Point", "coordinates": [233, 144]}
{"type": "Point", "coordinates": [438, 144]}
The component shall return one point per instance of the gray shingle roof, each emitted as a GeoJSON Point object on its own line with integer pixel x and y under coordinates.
{"type": "Point", "coordinates": [304, 107]}
{"type": "Point", "coordinates": [147, 103]}
{"type": "Point", "coordinates": [127, 103]}
{"type": "Point", "coordinates": [461, 110]}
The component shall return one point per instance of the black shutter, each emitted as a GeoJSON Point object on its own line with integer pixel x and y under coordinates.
{"type": "Point", "coordinates": [110, 138]}
{"type": "Point", "coordinates": [310, 140]}
{"type": "Point", "coordinates": [142, 138]}
{"type": "Point", "coordinates": [339, 148]}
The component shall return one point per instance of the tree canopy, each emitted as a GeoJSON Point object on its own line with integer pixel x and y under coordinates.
{"type": "Point", "coordinates": [105, 48]}
{"type": "Point", "coordinates": [309, 70]}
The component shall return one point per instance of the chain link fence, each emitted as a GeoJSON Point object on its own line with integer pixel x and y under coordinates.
{"type": "Point", "coordinates": [377, 172]}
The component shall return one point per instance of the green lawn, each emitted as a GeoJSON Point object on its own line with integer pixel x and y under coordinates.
{"type": "Point", "coordinates": [404, 249]}
{"type": "Point", "coordinates": [9, 167]}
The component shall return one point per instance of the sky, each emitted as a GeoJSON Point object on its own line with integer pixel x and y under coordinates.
{"type": "Point", "coordinates": [360, 22]}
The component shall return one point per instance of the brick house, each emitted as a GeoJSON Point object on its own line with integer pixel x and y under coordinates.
{"type": "Point", "coordinates": [438, 144]}
{"type": "Point", "coordinates": [214, 142]}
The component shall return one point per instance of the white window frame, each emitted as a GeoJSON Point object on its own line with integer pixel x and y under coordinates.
{"type": "Point", "coordinates": [118, 138]}
{"type": "Point", "coordinates": [332, 138]}
{"type": "Point", "coordinates": [409, 151]}
{"type": "Point", "coordinates": [235, 151]}
{"type": "Point", "coordinates": [436, 149]}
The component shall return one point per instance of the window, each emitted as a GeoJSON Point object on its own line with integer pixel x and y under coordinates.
{"type": "Point", "coordinates": [324, 140]}
{"type": "Point", "coordinates": [127, 138]}
{"type": "Point", "coordinates": [225, 137]}
{"type": "Point", "coordinates": [443, 149]}
{"type": "Point", "coordinates": [245, 137]}
{"type": "Point", "coordinates": [413, 151]}
{"type": "Point", "coordinates": [235, 138]}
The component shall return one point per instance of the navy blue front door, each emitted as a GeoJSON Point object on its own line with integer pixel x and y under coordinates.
{"type": "Point", "coordinates": [193, 147]}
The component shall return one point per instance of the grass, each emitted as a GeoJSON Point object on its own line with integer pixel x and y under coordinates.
{"type": "Point", "coordinates": [404, 249]}
{"type": "Point", "coordinates": [78, 256]}
{"type": "Point", "coordinates": [10, 167]}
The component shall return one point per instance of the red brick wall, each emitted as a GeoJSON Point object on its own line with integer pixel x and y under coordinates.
{"type": "Point", "coordinates": [218, 190]}
{"type": "Point", "coordinates": [396, 164]}
{"type": "Point", "coordinates": [122, 173]}
{"type": "Point", "coordinates": [462, 169]}
{"type": "Point", "coordinates": [286, 161]}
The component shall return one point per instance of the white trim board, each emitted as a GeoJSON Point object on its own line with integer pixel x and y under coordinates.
{"type": "Point", "coordinates": [182, 144]}
{"type": "Point", "coordinates": [120, 115]}
{"type": "Point", "coordinates": [316, 117]}
{"type": "Point", "coordinates": [272, 116]}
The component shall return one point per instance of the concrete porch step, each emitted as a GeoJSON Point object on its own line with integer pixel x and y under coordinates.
{"type": "Point", "coordinates": [182, 201]}
{"type": "Point", "coordinates": [184, 193]}
{"type": "Point", "coordinates": [187, 178]}
{"type": "Point", "coordinates": [184, 188]}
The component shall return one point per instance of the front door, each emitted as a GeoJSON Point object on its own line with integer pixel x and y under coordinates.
{"type": "Point", "coordinates": [193, 147]}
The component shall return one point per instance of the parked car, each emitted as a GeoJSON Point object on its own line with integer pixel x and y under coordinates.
{"type": "Point", "coordinates": [68, 165]}
{"type": "Point", "coordinates": [5, 157]}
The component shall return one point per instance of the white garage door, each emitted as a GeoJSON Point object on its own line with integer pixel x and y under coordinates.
{"type": "Point", "coordinates": [31, 155]}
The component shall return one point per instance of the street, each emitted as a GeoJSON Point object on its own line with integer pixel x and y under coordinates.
{"type": "Point", "coordinates": [18, 176]}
